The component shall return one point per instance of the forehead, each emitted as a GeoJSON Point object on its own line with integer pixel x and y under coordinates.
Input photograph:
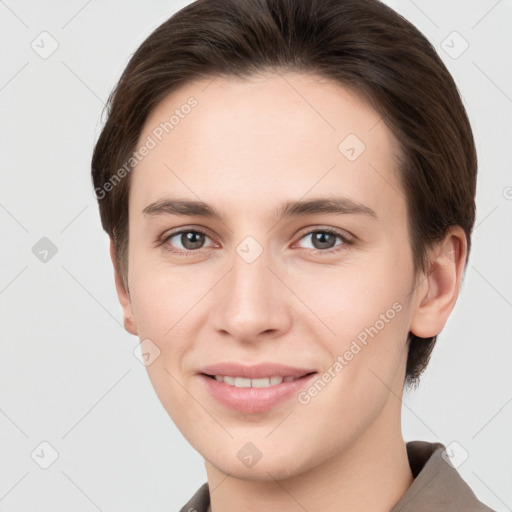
{"type": "Point", "coordinates": [245, 142]}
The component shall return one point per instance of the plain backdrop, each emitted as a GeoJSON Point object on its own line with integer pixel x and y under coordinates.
{"type": "Point", "coordinates": [68, 376]}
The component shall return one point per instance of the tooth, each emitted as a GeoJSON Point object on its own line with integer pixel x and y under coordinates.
{"type": "Point", "coordinates": [261, 383]}
{"type": "Point", "coordinates": [242, 382]}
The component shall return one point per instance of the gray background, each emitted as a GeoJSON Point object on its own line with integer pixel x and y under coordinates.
{"type": "Point", "coordinates": [68, 375]}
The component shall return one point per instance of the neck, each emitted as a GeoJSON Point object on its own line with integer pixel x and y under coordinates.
{"type": "Point", "coordinates": [373, 473]}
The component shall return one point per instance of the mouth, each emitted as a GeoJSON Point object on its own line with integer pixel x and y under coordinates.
{"type": "Point", "coordinates": [254, 389]}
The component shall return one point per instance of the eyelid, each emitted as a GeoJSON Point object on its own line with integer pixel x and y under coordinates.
{"type": "Point", "coordinates": [329, 229]}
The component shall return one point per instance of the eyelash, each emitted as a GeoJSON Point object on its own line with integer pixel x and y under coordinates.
{"type": "Point", "coordinates": [331, 231]}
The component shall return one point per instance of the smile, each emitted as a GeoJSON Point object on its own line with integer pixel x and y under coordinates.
{"type": "Point", "coordinates": [258, 395]}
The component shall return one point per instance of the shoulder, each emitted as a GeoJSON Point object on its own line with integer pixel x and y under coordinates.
{"type": "Point", "coordinates": [437, 484]}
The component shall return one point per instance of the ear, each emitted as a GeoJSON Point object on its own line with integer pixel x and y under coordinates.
{"type": "Point", "coordinates": [123, 295]}
{"type": "Point", "coordinates": [439, 289]}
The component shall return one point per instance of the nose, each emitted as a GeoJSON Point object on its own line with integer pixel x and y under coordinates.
{"type": "Point", "coordinates": [251, 301]}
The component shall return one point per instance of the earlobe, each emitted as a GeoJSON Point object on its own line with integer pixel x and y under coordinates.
{"type": "Point", "coordinates": [123, 295]}
{"type": "Point", "coordinates": [438, 292]}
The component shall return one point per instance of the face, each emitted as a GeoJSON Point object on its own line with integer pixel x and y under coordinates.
{"type": "Point", "coordinates": [300, 267]}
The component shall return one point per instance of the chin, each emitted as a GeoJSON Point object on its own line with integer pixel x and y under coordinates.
{"type": "Point", "coordinates": [279, 466]}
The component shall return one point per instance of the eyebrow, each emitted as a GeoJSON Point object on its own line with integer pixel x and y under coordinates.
{"type": "Point", "coordinates": [332, 205]}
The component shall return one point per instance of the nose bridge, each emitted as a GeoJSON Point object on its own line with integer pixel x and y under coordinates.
{"type": "Point", "coordinates": [249, 301]}
{"type": "Point", "coordinates": [250, 277]}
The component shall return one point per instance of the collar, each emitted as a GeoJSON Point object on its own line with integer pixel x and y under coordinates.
{"type": "Point", "coordinates": [437, 485]}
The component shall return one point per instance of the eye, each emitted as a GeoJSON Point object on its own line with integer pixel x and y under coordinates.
{"type": "Point", "coordinates": [323, 240]}
{"type": "Point", "coordinates": [190, 240]}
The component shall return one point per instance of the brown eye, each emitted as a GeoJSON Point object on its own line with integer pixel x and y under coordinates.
{"type": "Point", "coordinates": [324, 240]}
{"type": "Point", "coordinates": [187, 240]}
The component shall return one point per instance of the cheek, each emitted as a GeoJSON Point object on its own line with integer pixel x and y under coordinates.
{"type": "Point", "coordinates": [350, 298]}
{"type": "Point", "coordinates": [163, 308]}
{"type": "Point", "coordinates": [365, 313]}
{"type": "Point", "coordinates": [160, 296]}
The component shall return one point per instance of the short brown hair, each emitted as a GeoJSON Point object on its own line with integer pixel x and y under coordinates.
{"type": "Point", "coordinates": [361, 44]}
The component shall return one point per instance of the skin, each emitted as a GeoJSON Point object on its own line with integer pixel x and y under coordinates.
{"type": "Point", "coordinates": [246, 148]}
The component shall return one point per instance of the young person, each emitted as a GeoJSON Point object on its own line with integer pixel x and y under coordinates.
{"type": "Point", "coordinates": [289, 188]}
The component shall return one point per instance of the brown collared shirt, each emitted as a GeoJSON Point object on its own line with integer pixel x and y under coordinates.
{"type": "Point", "coordinates": [437, 485]}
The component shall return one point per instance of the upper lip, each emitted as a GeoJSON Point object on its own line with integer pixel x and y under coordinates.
{"type": "Point", "coordinates": [257, 371]}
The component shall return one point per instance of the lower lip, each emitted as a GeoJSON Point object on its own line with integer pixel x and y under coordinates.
{"type": "Point", "coordinates": [253, 400]}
